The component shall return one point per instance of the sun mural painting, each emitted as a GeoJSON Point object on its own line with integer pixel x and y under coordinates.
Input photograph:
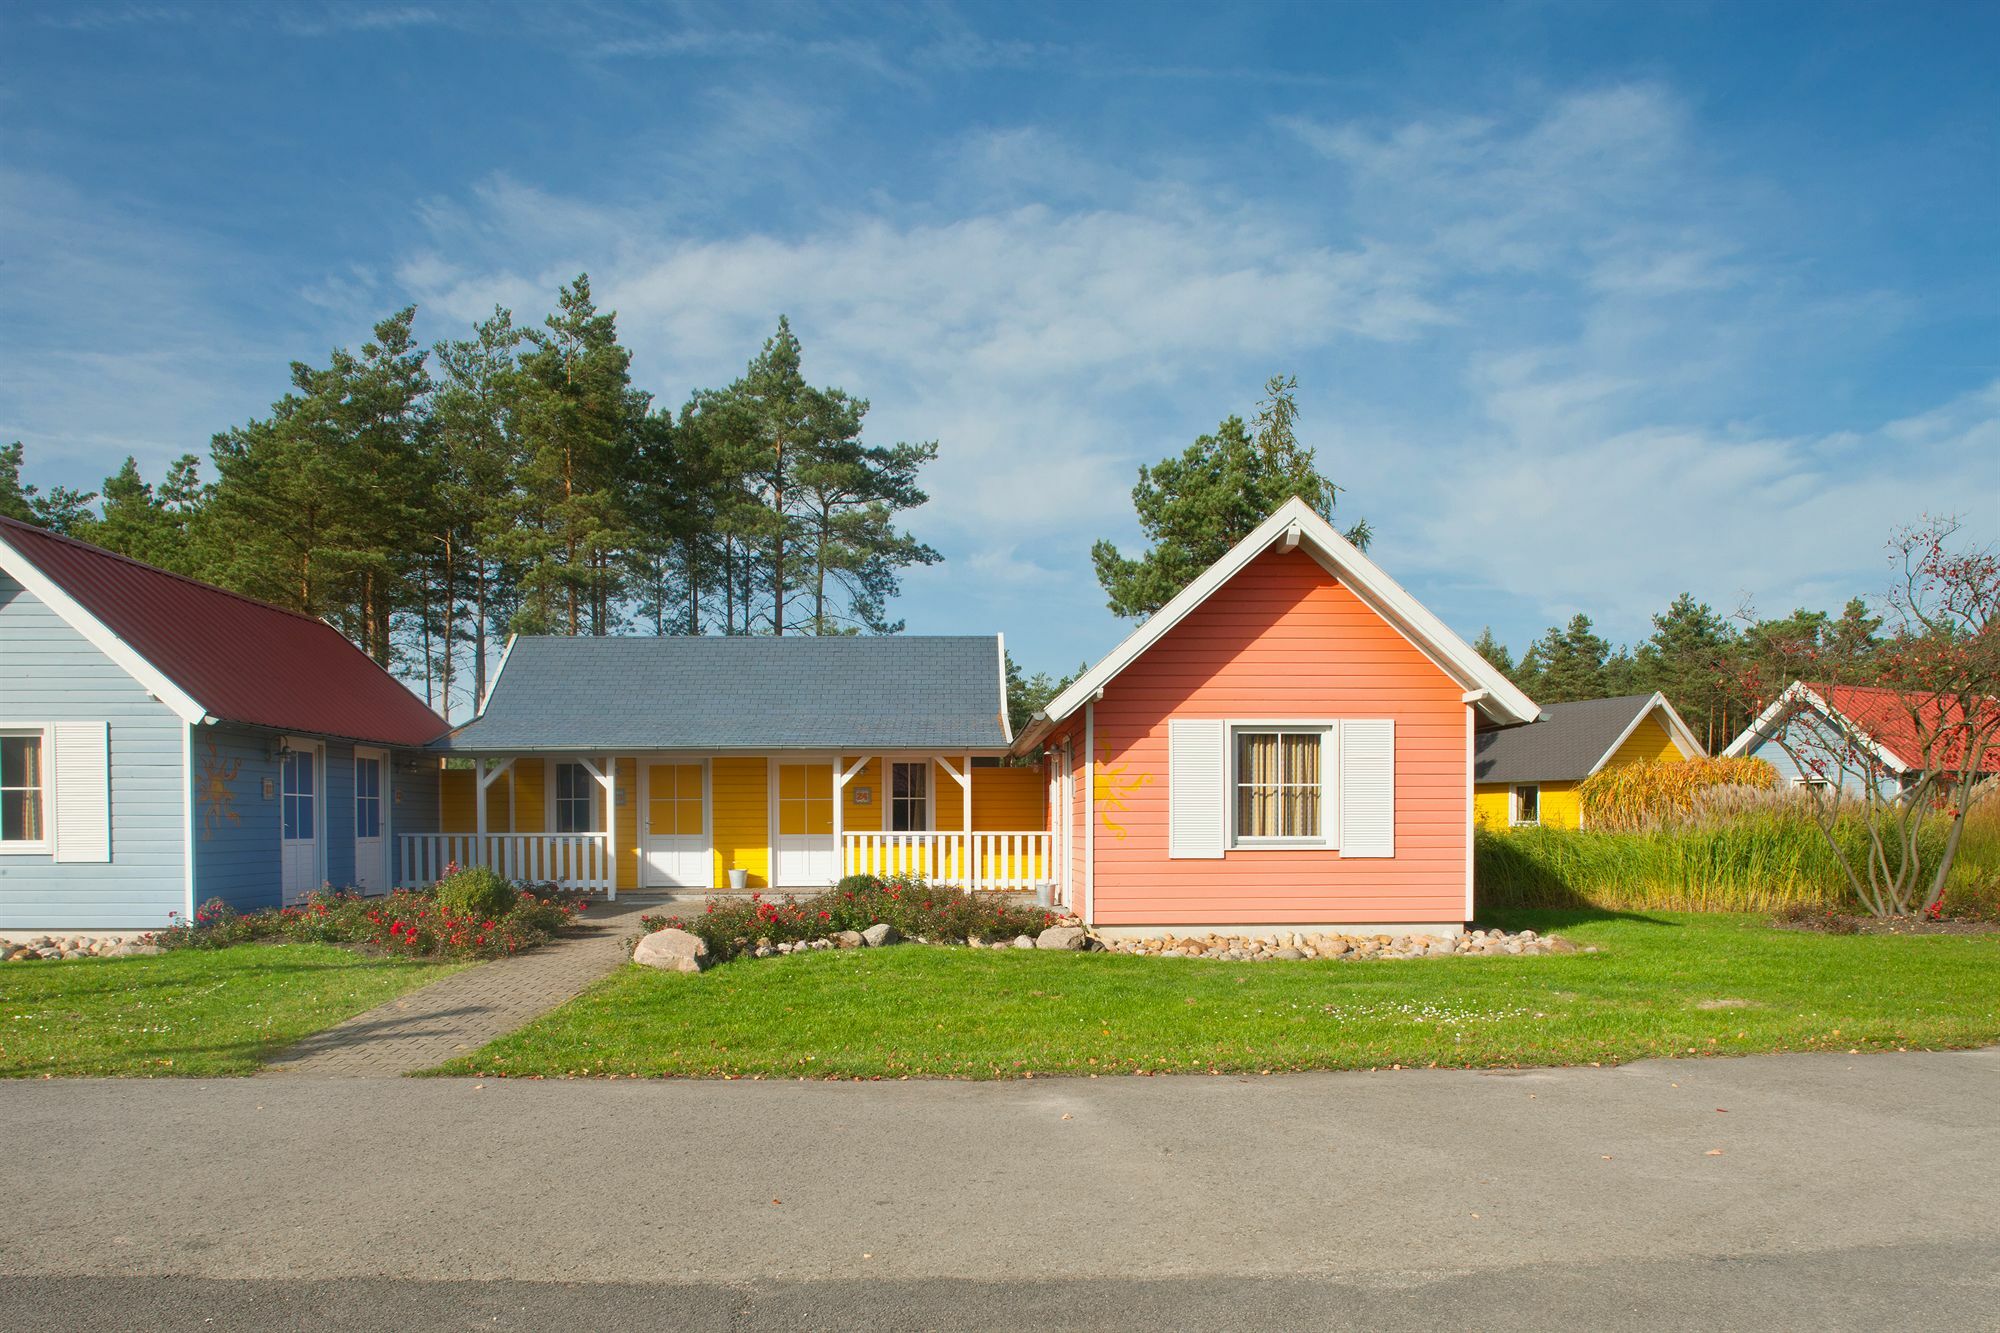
{"type": "Point", "coordinates": [217, 797]}
{"type": "Point", "coordinates": [1112, 784]}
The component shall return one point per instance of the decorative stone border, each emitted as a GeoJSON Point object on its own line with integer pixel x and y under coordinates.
{"type": "Point", "coordinates": [1296, 947]}
{"type": "Point", "coordinates": [76, 946]}
{"type": "Point", "coordinates": [674, 950]}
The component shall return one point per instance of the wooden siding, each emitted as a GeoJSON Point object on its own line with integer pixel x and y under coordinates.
{"type": "Point", "coordinates": [1008, 800]}
{"type": "Point", "coordinates": [1650, 741]}
{"type": "Point", "coordinates": [740, 796]}
{"type": "Point", "coordinates": [1283, 640]}
{"type": "Point", "coordinates": [1493, 803]}
{"type": "Point", "coordinates": [51, 673]}
{"type": "Point", "coordinates": [236, 839]}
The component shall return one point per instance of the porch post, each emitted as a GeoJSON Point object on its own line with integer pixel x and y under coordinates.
{"type": "Point", "coordinates": [478, 811]}
{"type": "Point", "coordinates": [611, 826]}
{"type": "Point", "coordinates": [839, 848]}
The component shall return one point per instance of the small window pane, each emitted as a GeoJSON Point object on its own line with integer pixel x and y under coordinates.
{"type": "Point", "coordinates": [21, 818]}
{"type": "Point", "coordinates": [1278, 784]}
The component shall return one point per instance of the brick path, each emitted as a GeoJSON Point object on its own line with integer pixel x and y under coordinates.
{"type": "Point", "coordinates": [463, 1012]}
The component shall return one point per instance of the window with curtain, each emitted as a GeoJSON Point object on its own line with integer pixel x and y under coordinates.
{"type": "Point", "coordinates": [1278, 777]}
{"type": "Point", "coordinates": [1528, 805]}
{"type": "Point", "coordinates": [909, 797]}
{"type": "Point", "coordinates": [22, 794]}
{"type": "Point", "coordinates": [576, 799]}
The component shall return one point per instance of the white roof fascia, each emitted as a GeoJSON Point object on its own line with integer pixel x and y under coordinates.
{"type": "Point", "coordinates": [1504, 700]}
{"type": "Point", "coordinates": [73, 613]}
{"type": "Point", "coordinates": [1006, 722]}
{"type": "Point", "coordinates": [1677, 730]}
{"type": "Point", "coordinates": [1799, 693]}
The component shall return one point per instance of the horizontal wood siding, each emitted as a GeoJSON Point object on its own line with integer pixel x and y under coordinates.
{"type": "Point", "coordinates": [1284, 639]}
{"type": "Point", "coordinates": [236, 818]}
{"type": "Point", "coordinates": [1561, 806]}
{"type": "Point", "coordinates": [856, 818]}
{"type": "Point", "coordinates": [1008, 800]}
{"type": "Point", "coordinates": [51, 673]}
{"type": "Point", "coordinates": [740, 794]}
{"type": "Point", "coordinates": [336, 827]}
{"type": "Point", "coordinates": [1650, 742]}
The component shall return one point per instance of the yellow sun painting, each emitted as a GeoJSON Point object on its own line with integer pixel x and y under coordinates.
{"type": "Point", "coordinates": [218, 799]}
{"type": "Point", "coordinates": [1112, 784]}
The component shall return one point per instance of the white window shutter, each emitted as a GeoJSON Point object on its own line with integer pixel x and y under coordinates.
{"type": "Point", "coordinates": [1368, 787]}
{"type": "Point", "coordinates": [82, 772]}
{"type": "Point", "coordinates": [1197, 788]}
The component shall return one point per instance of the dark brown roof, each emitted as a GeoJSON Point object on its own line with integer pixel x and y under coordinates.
{"type": "Point", "coordinates": [241, 659]}
{"type": "Point", "coordinates": [1566, 745]}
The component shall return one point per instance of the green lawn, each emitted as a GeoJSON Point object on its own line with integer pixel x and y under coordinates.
{"type": "Point", "coordinates": [192, 1012]}
{"type": "Point", "coordinates": [1662, 984]}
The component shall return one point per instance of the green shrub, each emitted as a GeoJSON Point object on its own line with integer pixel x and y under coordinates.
{"type": "Point", "coordinates": [916, 909]}
{"type": "Point", "coordinates": [477, 891]}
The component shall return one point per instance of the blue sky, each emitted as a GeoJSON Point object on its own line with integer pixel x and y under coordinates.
{"type": "Point", "coordinates": [1588, 304]}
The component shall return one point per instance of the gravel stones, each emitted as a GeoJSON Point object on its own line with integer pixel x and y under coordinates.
{"type": "Point", "coordinates": [1296, 946]}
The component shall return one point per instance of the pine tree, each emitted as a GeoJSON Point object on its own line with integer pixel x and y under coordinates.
{"type": "Point", "coordinates": [320, 502]}
{"type": "Point", "coordinates": [1566, 664]}
{"type": "Point", "coordinates": [579, 419]}
{"type": "Point", "coordinates": [1194, 508]}
{"type": "Point", "coordinates": [1494, 651]}
{"type": "Point", "coordinates": [477, 454]}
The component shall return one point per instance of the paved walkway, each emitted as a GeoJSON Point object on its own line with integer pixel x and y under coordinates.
{"type": "Point", "coordinates": [448, 1018]}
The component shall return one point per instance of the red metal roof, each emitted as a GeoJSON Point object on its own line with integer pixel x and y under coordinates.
{"type": "Point", "coordinates": [241, 659]}
{"type": "Point", "coordinates": [1885, 716]}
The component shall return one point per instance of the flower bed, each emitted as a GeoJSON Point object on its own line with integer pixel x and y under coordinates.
{"type": "Point", "coordinates": [918, 911]}
{"type": "Point", "coordinates": [410, 922]}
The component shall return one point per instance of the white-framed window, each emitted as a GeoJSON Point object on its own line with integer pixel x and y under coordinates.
{"type": "Point", "coordinates": [296, 795]}
{"type": "Point", "coordinates": [1279, 784]}
{"type": "Point", "coordinates": [24, 790]}
{"type": "Point", "coordinates": [575, 799]}
{"type": "Point", "coordinates": [367, 796]}
{"type": "Point", "coordinates": [1528, 803]}
{"type": "Point", "coordinates": [909, 796]}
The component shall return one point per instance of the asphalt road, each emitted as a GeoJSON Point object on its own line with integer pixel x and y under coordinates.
{"type": "Point", "coordinates": [1776, 1193]}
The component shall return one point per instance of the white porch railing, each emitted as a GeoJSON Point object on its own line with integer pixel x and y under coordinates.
{"type": "Point", "coordinates": [572, 860]}
{"type": "Point", "coordinates": [983, 861]}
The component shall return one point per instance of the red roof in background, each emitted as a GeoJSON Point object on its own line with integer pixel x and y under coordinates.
{"type": "Point", "coordinates": [241, 659]}
{"type": "Point", "coordinates": [1884, 714]}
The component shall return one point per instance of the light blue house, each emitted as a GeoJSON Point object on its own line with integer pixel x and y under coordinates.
{"type": "Point", "coordinates": [1850, 737]}
{"type": "Point", "coordinates": [164, 742]}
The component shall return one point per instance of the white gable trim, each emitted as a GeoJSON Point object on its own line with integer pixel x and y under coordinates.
{"type": "Point", "coordinates": [1006, 722]}
{"type": "Point", "coordinates": [51, 594]}
{"type": "Point", "coordinates": [1295, 523]}
{"type": "Point", "coordinates": [1798, 695]}
{"type": "Point", "coordinates": [1677, 731]}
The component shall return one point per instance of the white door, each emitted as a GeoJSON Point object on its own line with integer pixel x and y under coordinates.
{"type": "Point", "coordinates": [803, 852]}
{"type": "Point", "coordinates": [676, 834]}
{"type": "Point", "coordinates": [371, 841]}
{"type": "Point", "coordinates": [298, 815]}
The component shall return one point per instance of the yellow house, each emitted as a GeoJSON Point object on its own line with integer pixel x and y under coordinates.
{"type": "Point", "coordinates": [1530, 774]}
{"type": "Point", "coordinates": [747, 763]}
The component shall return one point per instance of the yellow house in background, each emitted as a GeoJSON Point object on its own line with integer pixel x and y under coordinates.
{"type": "Point", "coordinates": [1530, 774]}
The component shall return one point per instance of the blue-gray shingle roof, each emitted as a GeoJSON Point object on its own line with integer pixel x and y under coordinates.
{"type": "Point", "coordinates": [791, 693]}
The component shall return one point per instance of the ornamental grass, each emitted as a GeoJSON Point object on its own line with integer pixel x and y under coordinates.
{"type": "Point", "coordinates": [1650, 793]}
{"type": "Point", "coordinates": [1756, 853]}
{"type": "Point", "coordinates": [413, 923]}
{"type": "Point", "coordinates": [914, 907]}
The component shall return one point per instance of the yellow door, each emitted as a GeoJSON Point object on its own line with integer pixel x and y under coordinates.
{"type": "Point", "coordinates": [803, 854]}
{"type": "Point", "coordinates": [676, 833]}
